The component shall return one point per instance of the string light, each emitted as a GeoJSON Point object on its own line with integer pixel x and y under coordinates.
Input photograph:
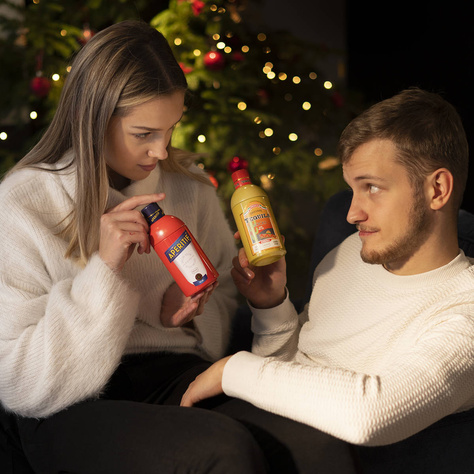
{"type": "Point", "coordinates": [63, 33]}
{"type": "Point", "coordinates": [55, 77]}
{"type": "Point", "coordinates": [33, 115]}
{"type": "Point", "coordinates": [3, 136]}
{"type": "Point", "coordinates": [257, 120]}
{"type": "Point", "coordinates": [220, 45]}
{"type": "Point", "coordinates": [241, 105]}
{"type": "Point", "coordinates": [216, 36]}
{"type": "Point", "coordinates": [313, 75]}
{"type": "Point", "coordinates": [296, 80]}
{"type": "Point", "coordinates": [327, 84]}
{"type": "Point", "coordinates": [293, 137]}
{"type": "Point", "coordinates": [306, 106]}
{"type": "Point", "coordinates": [271, 75]}
{"type": "Point", "coordinates": [261, 37]}
{"type": "Point", "coordinates": [282, 76]}
{"type": "Point", "coordinates": [227, 49]}
{"type": "Point", "coordinates": [245, 49]}
{"type": "Point", "coordinates": [201, 138]}
{"type": "Point", "coordinates": [197, 52]}
{"type": "Point", "coordinates": [276, 150]}
{"type": "Point", "coordinates": [268, 132]}
{"type": "Point", "coordinates": [178, 41]}
{"type": "Point", "coordinates": [318, 151]}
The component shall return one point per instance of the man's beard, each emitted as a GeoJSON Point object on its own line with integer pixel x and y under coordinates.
{"type": "Point", "coordinates": [406, 245]}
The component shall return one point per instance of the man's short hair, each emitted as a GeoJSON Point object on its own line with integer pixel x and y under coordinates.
{"type": "Point", "coordinates": [425, 128]}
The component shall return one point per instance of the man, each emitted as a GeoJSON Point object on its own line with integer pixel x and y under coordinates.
{"type": "Point", "coordinates": [385, 346]}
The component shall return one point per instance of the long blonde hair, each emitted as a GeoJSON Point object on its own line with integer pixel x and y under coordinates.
{"type": "Point", "coordinates": [122, 66]}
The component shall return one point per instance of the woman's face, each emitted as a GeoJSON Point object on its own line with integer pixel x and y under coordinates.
{"type": "Point", "coordinates": [136, 142]}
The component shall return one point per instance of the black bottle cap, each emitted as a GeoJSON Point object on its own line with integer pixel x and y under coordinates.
{"type": "Point", "coordinates": [152, 212]}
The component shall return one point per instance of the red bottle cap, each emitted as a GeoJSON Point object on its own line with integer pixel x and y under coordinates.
{"type": "Point", "coordinates": [240, 178]}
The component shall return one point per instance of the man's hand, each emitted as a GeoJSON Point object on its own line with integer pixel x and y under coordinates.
{"type": "Point", "coordinates": [264, 287]}
{"type": "Point", "coordinates": [206, 385]}
{"type": "Point", "coordinates": [177, 309]}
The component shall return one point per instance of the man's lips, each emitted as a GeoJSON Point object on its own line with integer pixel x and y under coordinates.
{"type": "Point", "coordinates": [365, 231]}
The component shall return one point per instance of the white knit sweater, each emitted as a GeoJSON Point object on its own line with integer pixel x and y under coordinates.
{"type": "Point", "coordinates": [378, 358]}
{"type": "Point", "coordinates": [64, 329]}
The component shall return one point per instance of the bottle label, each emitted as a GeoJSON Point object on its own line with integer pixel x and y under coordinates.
{"type": "Point", "coordinates": [259, 227]}
{"type": "Point", "coordinates": [185, 256]}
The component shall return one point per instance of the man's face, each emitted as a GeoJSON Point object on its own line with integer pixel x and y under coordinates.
{"type": "Point", "coordinates": [393, 219]}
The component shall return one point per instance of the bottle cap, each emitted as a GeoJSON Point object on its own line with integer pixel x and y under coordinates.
{"type": "Point", "coordinates": [152, 212]}
{"type": "Point", "coordinates": [240, 178]}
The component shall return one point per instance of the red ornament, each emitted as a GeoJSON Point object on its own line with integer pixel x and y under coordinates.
{"type": "Point", "coordinates": [214, 60]}
{"type": "Point", "coordinates": [197, 6]}
{"type": "Point", "coordinates": [263, 96]}
{"type": "Point", "coordinates": [87, 34]}
{"type": "Point", "coordinates": [237, 163]}
{"type": "Point", "coordinates": [337, 99]}
{"type": "Point", "coordinates": [185, 69]}
{"type": "Point", "coordinates": [237, 56]}
{"type": "Point", "coordinates": [40, 86]}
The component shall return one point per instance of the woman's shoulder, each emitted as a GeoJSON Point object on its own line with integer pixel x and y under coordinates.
{"type": "Point", "coordinates": [37, 183]}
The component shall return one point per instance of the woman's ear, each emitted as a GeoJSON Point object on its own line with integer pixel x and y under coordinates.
{"type": "Point", "coordinates": [440, 185]}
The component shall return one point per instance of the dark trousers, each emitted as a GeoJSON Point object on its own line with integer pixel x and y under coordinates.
{"type": "Point", "coordinates": [137, 427]}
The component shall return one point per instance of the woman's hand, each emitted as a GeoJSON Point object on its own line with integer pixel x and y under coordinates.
{"type": "Point", "coordinates": [177, 309]}
{"type": "Point", "coordinates": [122, 228]}
{"type": "Point", "coordinates": [206, 385]}
{"type": "Point", "coordinates": [263, 287]}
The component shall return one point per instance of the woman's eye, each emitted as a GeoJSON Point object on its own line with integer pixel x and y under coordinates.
{"type": "Point", "coordinates": [141, 135]}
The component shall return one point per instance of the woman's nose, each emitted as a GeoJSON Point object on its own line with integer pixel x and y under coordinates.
{"type": "Point", "coordinates": [159, 151]}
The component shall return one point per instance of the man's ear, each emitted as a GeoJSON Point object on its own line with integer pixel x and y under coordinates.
{"type": "Point", "coordinates": [440, 188]}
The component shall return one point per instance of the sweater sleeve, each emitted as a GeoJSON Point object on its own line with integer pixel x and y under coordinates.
{"type": "Point", "coordinates": [432, 380]}
{"type": "Point", "coordinates": [276, 330]}
{"type": "Point", "coordinates": [63, 329]}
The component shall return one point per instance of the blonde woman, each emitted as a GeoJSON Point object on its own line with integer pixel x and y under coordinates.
{"type": "Point", "coordinates": [95, 335]}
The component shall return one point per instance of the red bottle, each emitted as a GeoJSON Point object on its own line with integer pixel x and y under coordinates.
{"type": "Point", "coordinates": [179, 251]}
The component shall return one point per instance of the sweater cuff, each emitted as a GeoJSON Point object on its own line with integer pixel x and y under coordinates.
{"type": "Point", "coordinates": [265, 321]}
{"type": "Point", "coordinates": [241, 372]}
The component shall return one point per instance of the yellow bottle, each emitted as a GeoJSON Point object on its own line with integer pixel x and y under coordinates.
{"type": "Point", "coordinates": [255, 221]}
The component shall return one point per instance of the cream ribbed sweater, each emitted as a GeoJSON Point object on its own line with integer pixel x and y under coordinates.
{"type": "Point", "coordinates": [64, 329]}
{"type": "Point", "coordinates": [378, 358]}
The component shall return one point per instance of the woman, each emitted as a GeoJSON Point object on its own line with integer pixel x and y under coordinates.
{"type": "Point", "coordinates": [95, 334]}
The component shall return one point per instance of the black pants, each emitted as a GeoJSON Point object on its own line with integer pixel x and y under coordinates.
{"type": "Point", "coordinates": [136, 427]}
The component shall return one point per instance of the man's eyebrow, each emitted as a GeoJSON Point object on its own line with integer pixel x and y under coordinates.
{"type": "Point", "coordinates": [370, 177]}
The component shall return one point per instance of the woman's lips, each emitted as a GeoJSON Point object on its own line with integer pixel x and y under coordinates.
{"type": "Point", "coordinates": [148, 167]}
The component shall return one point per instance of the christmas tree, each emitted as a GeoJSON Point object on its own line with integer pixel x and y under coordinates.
{"type": "Point", "coordinates": [258, 101]}
{"type": "Point", "coordinates": [257, 98]}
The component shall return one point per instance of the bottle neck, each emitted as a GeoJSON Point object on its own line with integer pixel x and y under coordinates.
{"type": "Point", "coordinates": [242, 182]}
{"type": "Point", "coordinates": [152, 213]}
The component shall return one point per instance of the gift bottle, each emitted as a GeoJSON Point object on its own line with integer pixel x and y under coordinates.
{"type": "Point", "coordinates": [255, 221]}
{"type": "Point", "coordinates": [179, 251]}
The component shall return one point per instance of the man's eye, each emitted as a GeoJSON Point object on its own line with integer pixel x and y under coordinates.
{"type": "Point", "coordinates": [373, 189]}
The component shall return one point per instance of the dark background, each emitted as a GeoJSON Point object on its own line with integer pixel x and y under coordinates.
{"type": "Point", "coordinates": [403, 44]}
{"type": "Point", "coordinates": [389, 45]}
